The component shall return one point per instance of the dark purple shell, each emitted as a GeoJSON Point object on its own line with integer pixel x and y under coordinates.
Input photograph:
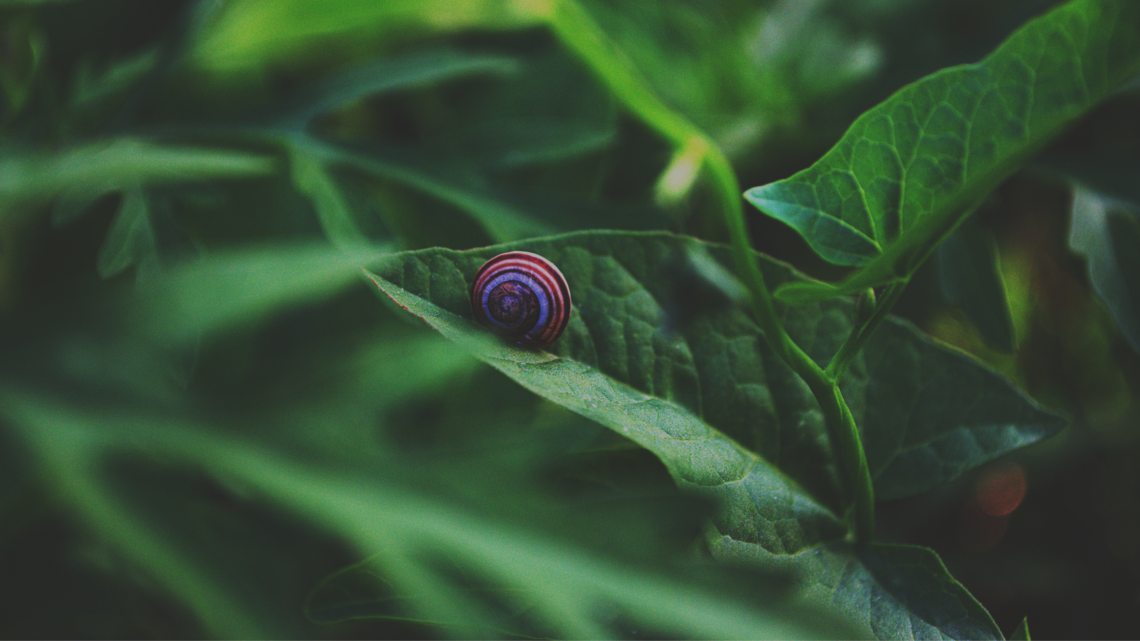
{"type": "Point", "coordinates": [522, 296]}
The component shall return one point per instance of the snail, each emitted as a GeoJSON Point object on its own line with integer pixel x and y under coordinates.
{"type": "Point", "coordinates": [521, 296]}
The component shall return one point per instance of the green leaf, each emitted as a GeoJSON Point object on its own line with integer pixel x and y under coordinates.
{"type": "Point", "coordinates": [1107, 231]}
{"type": "Point", "coordinates": [888, 591]}
{"type": "Point", "coordinates": [502, 220]}
{"type": "Point", "coordinates": [971, 278]}
{"type": "Point", "coordinates": [101, 167]}
{"type": "Point", "coordinates": [130, 238]}
{"type": "Point", "coordinates": [143, 233]}
{"type": "Point", "coordinates": [707, 396]}
{"type": "Point", "coordinates": [67, 444]}
{"type": "Point", "coordinates": [99, 91]}
{"type": "Point", "coordinates": [927, 413]}
{"type": "Point", "coordinates": [154, 491]}
{"type": "Point", "coordinates": [552, 110]}
{"type": "Point", "coordinates": [411, 71]}
{"type": "Point", "coordinates": [908, 171]}
{"type": "Point", "coordinates": [1022, 631]}
{"type": "Point", "coordinates": [518, 606]}
{"type": "Point", "coordinates": [313, 180]}
{"type": "Point", "coordinates": [248, 35]}
{"type": "Point", "coordinates": [698, 456]}
{"type": "Point", "coordinates": [240, 286]}
{"type": "Point", "coordinates": [23, 63]}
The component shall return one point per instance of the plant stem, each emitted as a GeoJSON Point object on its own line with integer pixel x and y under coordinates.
{"type": "Point", "coordinates": [578, 31]}
{"type": "Point", "coordinates": [858, 338]}
{"type": "Point", "coordinates": [851, 451]}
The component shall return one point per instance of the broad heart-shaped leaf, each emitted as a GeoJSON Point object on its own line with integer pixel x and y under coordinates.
{"type": "Point", "coordinates": [927, 413]}
{"type": "Point", "coordinates": [689, 376]}
{"type": "Point", "coordinates": [908, 171]}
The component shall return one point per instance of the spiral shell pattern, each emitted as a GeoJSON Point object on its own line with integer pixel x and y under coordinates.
{"type": "Point", "coordinates": [522, 296]}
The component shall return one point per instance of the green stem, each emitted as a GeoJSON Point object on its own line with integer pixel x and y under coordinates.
{"type": "Point", "coordinates": [574, 26]}
{"type": "Point", "coordinates": [858, 338]}
{"type": "Point", "coordinates": [578, 31]}
{"type": "Point", "coordinates": [851, 451]}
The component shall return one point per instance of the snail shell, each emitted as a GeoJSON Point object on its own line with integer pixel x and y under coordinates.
{"type": "Point", "coordinates": [522, 296]}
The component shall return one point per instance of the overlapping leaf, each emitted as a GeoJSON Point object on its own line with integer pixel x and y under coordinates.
{"type": "Point", "coordinates": [971, 277]}
{"type": "Point", "coordinates": [928, 413]}
{"type": "Point", "coordinates": [909, 170]}
{"type": "Point", "coordinates": [889, 591]}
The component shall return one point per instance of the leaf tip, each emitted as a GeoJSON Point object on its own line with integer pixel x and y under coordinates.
{"type": "Point", "coordinates": [1022, 631]}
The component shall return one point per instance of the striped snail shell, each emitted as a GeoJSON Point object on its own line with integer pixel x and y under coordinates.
{"type": "Point", "coordinates": [521, 296]}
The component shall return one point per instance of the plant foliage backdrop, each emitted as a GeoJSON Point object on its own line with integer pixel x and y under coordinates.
{"type": "Point", "coordinates": [242, 394]}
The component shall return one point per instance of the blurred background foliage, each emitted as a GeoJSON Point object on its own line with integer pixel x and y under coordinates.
{"type": "Point", "coordinates": [207, 415]}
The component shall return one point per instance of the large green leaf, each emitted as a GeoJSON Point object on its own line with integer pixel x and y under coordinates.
{"type": "Point", "coordinates": [703, 391]}
{"type": "Point", "coordinates": [698, 456]}
{"type": "Point", "coordinates": [908, 171]}
{"type": "Point", "coordinates": [928, 413]}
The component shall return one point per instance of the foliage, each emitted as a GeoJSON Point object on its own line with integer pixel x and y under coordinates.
{"type": "Point", "coordinates": [243, 394]}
